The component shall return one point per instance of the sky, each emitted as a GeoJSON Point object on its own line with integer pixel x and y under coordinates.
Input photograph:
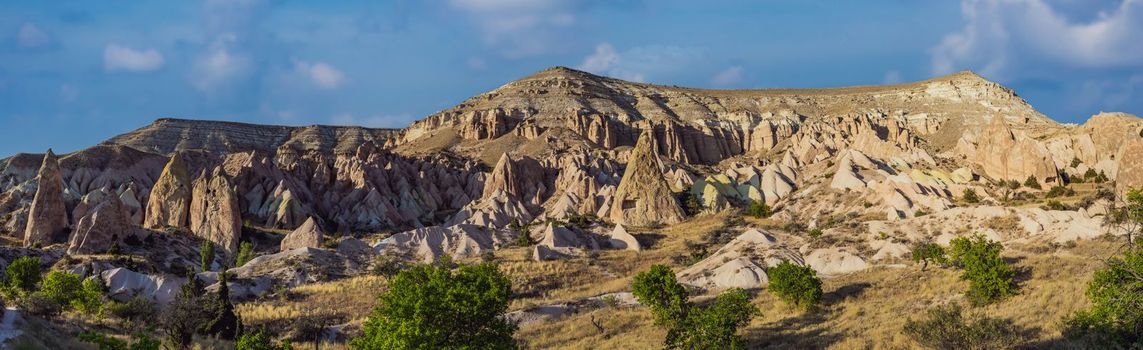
{"type": "Point", "coordinates": [75, 73]}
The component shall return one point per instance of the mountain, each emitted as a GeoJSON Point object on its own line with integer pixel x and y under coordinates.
{"type": "Point", "coordinates": [567, 164]}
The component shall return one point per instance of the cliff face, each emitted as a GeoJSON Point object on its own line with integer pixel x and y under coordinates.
{"type": "Point", "coordinates": [557, 145]}
{"type": "Point", "coordinates": [696, 126]}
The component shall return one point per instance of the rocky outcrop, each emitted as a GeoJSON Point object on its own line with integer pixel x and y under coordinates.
{"type": "Point", "coordinates": [169, 202]}
{"type": "Point", "coordinates": [1130, 166]}
{"type": "Point", "coordinates": [644, 197]}
{"type": "Point", "coordinates": [214, 212]}
{"type": "Point", "coordinates": [107, 224]}
{"type": "Point", "coordinates": [1005, 156]}
{"type": "Point", "coordinates": [47, 217]}
{"type": "Point", "coordinates": [430, 243]}
{"type": "Point", "coordinates": [309, 234]}
{"type": "Point", "coordinates": [741, 263]}
{"type": "Point", "coordinates": [620, 239]}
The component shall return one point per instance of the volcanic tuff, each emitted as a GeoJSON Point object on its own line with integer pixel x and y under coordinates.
{"type": "Point", "coordinates": [560, 159]}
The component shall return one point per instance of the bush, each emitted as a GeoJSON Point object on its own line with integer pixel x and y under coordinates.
{"type": "Point", "coordinates": [1115, 317]}
{"type": "Point", "coordinates": [990, 278]}
{"type": "Point", "coordinates": [137, 310]}
{"type": "Point", "coordinates": [39, 305]}
{"type": "Point", "coordinates": [89, 299]}
{"type": "Point", "coordinates": [387, 265]}
{"type": "Point", "coordinates": [1060, 191]}
{"type": "Point", "coordinates": [815, 232]}
{"type": "Point", "coordinates": [1090, 174]}
{"type": "Point", "coordinates": [926, 253]}
{"type": "Point", "coordinates": [430, 307]}
{"type": "Point", "coordinates": [946, 328]}
{"type": "Point", "coordinates": [524, 239]}
{"type": "Point", "coordinates": [1075, 162]}
{"type": "Point", "coordinates": [715, 326]}
{"type": "Point", "coordinates": [24, 273]}
{"type": "Point", "coordinates": [259, 340]}
{"type": "Point", "coordinates": [758, 210]}
{"type": "Point", "coordinates": [1031, 182]}
{"type": "Point", "coordinates": [658, 289]}
{"type": "Point", "coordinates": [62, 287]}
{"type": "Point", "coordinates": [795, 284]}
{"type": "Point", "coordinates": [206, 255]}
{"type": "Point", "coordinates": [245, 253]}
{"type": "Point", "coordinates": [970, 196]}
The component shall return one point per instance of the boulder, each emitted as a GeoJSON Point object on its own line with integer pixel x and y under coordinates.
{"type": "Point", "coordinates": [123, 284]}
{"type": "Point", "coordinates": [169, 202]}
{"type": "Point", "coordinates": [962, 176]}
{"type": "Point", "coordinates": [644, 197]}
{"type": "Point", "coordinates": [740, 263]}
{"type": "Point", "coordinates": [107, 224]}
{"type": "Point", "coordinates": [47, 218]}
{"type": "Point", "coordinates": [309, 234]}
{"type": "Point", "coordinates": [620, 239]}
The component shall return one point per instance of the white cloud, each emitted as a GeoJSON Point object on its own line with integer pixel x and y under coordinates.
{"type": "Point", "coordinates": [603, 59]}
{"type": "Point", "coordinates": [640, 63]}
{"type": "Point", "coordinates": [122, 58]}
{"type": "Point", "coordinates": [219, 65]}
{"type": "Point", "coordinates": [375, 121]}
{"type": "Point", "coordinates": [520, 27]}
{"type": "Point", "coordinates": [321, 74]}
{"type": "Point", "coordinates": [31, 36]}
{"type": "Point", "coordinates": [1005, 37]}
{"type": "Point", "coordinates": [729, 77]}
{"type": "Point", "coordinates": [892, 77]}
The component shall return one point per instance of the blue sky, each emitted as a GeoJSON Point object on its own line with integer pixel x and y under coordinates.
{"type": "Point", "coordinates": [74, 73]}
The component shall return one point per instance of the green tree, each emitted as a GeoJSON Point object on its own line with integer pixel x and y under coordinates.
{"type": "Point", "coordinates": [990, 277]}
{"type": "Point", "coordinates": [206, 254]}
{"type": "Point", "coordinates": [660, 291]}
{"type": "Point", "coordinates": [759, 209]}
{"type": "Point", "coordinates": [1128, 217]}
{"type": "Point", "coordinates": [432, 307]}
{"type": "Point", "coordinates": [223, 322]}
{"type": "Point", "coordinates": [245, 253]}
{"type": "Point", "coordinates": [24, 273]}
{"type": "Point", "coordinates": [947, 328]}
{"type": "Point", "coordinates": [259, 340]}
{"type": "Point", "coordinates": [61, 287]}
{"type": "Point", "coordinates": [926, 253]}
{"type": "Point", "coordinates": [1115, 319]}
{"type": "Point", "coordinates": [182, 317]}
{"type": "Point", "coordinates": [1031, 182]}
{"type": "Point", "coordinates": [89, 299]}
{"type": "Point", "coordinates": [715, 326]}
{"type": "Point", "coordinates": [795, 284]}
{"type": "Point", "coordinates": [970, 196]}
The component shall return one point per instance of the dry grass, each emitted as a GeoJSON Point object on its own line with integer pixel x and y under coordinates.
{"type": "Point", "coordinates": [864, 310]}
{"type": "Point", "coordinates": [349, 299]}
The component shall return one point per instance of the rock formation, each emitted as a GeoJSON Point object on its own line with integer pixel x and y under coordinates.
{"type": "Point", "coordinates": [107, 224]}
{"type": "Point", "coordinates": [214, 212]}
{"type": "Point", "coordinates": [1130, 166]}
{"type": "Point", "coordinates": [1006, 156]}
{"type": "Point", "coordinates": [309, 234]}
{"type": "Point", "coordinates": [47, 217]}
{"type": "Point", "coordinates": [644, 197]}
{"type": "Point", "coordinates": [169, 202]}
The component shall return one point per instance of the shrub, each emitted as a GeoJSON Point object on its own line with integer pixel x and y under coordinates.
{"type": "Point", "coordinates": [1075, 162]}
{"type": "Point", "coordinates": [1059, 191]}
{"type": "Point", "coordinates": [970, 196]}
{"type": "Point", "coordinates": [206, 254]}
{"type": "Point", "coordinates": [245, 253]}
{"type": "Point", "coordinates": [62, 287]}
{"type": "Point", "coordinates": [39, 304]}
{"type": "Point", "coordinates": [1090, 174]}
{"type": "Point", "coordinates": [758, 210]}
{"type": "Point", "coordinates": [990, 278]}
{"type": "Point", "coordinates": [524, 239]}
{"type": "Point", "coordinates": [89, 299]}
{"type": "Point", "coordinates": [135, 310]}
{"type": "Point", "coordinates": [1115, 317]}
{"type": "Point", "coordinates": [1053, 204]}
{"type": "Point", "coordinates": [259, 340]}
{"type": "Point", "coordinates": [24, 273]}
{"type": "Point", "coordinates": [947, 328]}
{"type": "Point", "coordinates": [715, 326]}
{"type": "Point", "coordinates": [815, 232]}
{"type": "Point", "coordinates": [660, 291]}
{"type": "Point", "coordinates": [690, 203]}
{"type": "Point", "coordinates": [430, 307]}
{"type": "Point", "coordinates": [920, 213]}
{"type": "Point", "coordinates": [222, 321]}
{"type": "Point", "coordinates": [1031, 182]}
{"type": "Point", "coordinates": [795, 284]}
{"type": "Point", "coordinates": [926, 253]}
